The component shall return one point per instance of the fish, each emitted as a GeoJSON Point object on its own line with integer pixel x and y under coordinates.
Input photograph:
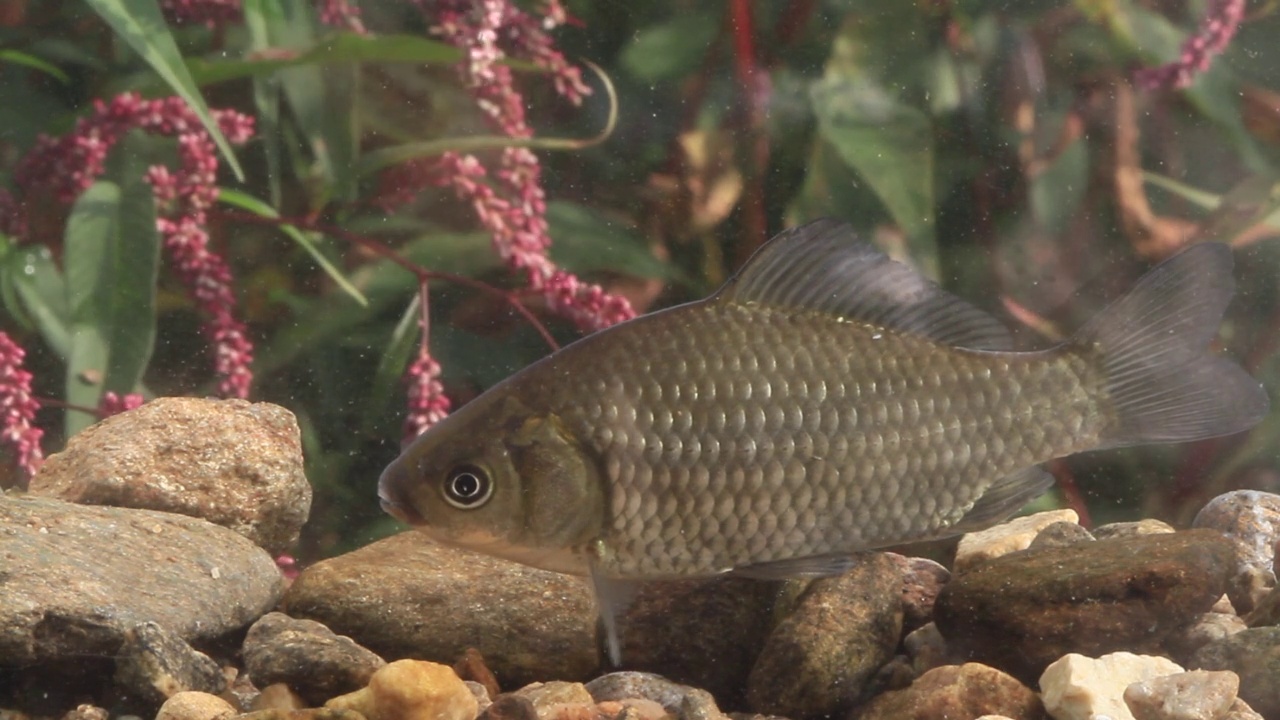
{"type": "Point", "coordinates": [826, 400]}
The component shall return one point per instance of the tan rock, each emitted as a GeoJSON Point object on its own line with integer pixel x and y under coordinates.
{"type": "Point", "coordinates": [1076, 687]}
{"type": "Point", "coordinates": [1195, 695]}
{"type": "Point", "coordinates": [978, 547]}
{"type": "Point", "coordinates": [411, 690]}
{"type": "Point", "coordinates": [231, 462]}
{"type": "Point", "coordinates": [956, 691]}
{"type": "Point", "coordinates": [193, 705]}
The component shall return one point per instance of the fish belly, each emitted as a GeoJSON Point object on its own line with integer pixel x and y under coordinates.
{"type": "Point", "coordinates": [735, 435]}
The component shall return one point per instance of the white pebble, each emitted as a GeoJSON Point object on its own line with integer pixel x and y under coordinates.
{"type": "Point", "coordinates": [979, 547]}
{"type": "Point", "coordinates": [1076, 687]}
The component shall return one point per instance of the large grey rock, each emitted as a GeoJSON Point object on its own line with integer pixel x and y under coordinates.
{"type": "Point", "coordinates": [75, 578]}
{"type": "Point", "coordinates": [406, 597]}
{"type": "Point", "coordinates": [230, 462]}
{"type": "Point", "coordinates": [1022, 611]}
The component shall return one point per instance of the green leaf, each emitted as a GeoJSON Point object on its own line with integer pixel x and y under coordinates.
{"type": "Point", "coordinates": [43, 293]}
{"type": "Point", "coordinates": [257, 207]}
{"type": "Point", "coordinates": [889, 144]}
{"type": "Point", "coordinates": [320, 100]}
{"type": "Point", "coordinates": [142, 26]}
{"type": "Point", "coordinates": [112, 259]}
{"type": "Point", "coordinates": [671, 49]}
{"type": "Point", "coordinates": [585, 241]}
{"type": "Point", "coordinates": [17, 57]}
{"type": "Point", "coordinates": [266, 99]}
{"type": "Point", "coordinates": [338, 49]}
{"type": "Point", "coordinates": [395, 359]}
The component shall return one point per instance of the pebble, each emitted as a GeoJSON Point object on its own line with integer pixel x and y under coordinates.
{"type": "Point", "coordinates": [818, 660]}
{"type": "Point", "coordinates": [231, 462]}
{"type": "Point", "coordinates": [1076, 687]}
{"type": "Point", "coordinates": [1147, 526]}
{"type": "Point", "coordinates": [77, 578]}
{"type": "Point", "coordinates": [1251, 519]}
{"type": "Point", "coordinates": [1022, 611]}
{"type": "Point", "coordinates": [472, 667]}
{"type": "Point", "coordinates": [510, 707]}
{"type": "Point", "coordinates": [194, 705]}
{"type": "Point", "coordinates": [408, 597]}
{"type": "Point", "coordinates": [305, 714]}
{"type": "Point", "coordinates": [278, 696]}
{"type": "Point", "coordinates": [926, 647]}
{"type": "Point", "coordinates": [956, 691]}
{"type": "Point", "coordinates": [1254, 655]}
{"type": "Point", "coordinates": [1195, 695]}
{"type": "Point", "coordinates": [978, 547]}
{"type": "Point", "coordinates": [922, 580]}
{"type": "Point", "coordinates": [156, 664]}
{"type": "Point", "coordinates": [551, 699]}
{"type": "Point", "coordinates": [308, 657]}
{"type": "Point", "coordinates": [411, 690]}
{"type": "Point", "coordinates": [1210, 626]}
{"type": "Point", "coordinates": [704, 633]}
{"type": "Point", "coordinates": [680, 701]}
{"type": "Point", "coordinates": [1061, 534]}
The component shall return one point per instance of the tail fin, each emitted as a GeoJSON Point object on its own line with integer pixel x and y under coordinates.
{"type": "Point", "coordinates": [1163, 383]}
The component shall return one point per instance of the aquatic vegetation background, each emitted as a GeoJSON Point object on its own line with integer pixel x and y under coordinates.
{"type": "Point", "coordinates": [273, 198]}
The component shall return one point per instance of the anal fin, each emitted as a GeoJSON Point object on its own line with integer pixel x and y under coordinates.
{"type": "Point", "coordinates": [802, 567]}
{"type": "Point", "coordinates": [1005, 497]}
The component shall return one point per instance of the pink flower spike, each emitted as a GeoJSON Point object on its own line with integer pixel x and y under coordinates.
{"type": "Point", "coordinates": [427, 402]}
{"type": "Point", "coordinates": [67, 166]}
{"type": "Point", "coordinates": [112, 404]}
{"type": "Point", "coordinates": [18, 408]}
{"type": "Point", "coordinates": [341, 14]}
{"type": "Point", "coordinates": [1221, 21]}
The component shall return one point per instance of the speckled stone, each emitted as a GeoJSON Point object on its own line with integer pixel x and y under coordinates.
{"type": "Point", "coordinates": [231, 462]}
{"type": "Point", "coordinates": [703, 633]}
{"type": "Point", "coordinates": [956, 691]}
{"type": "Point", "coordinates": [1195, 695]}
{"type": "Point", "coordinates": [156, 664]}
{"type": "Point", "coordinates": [1146, 526]}
{"type": "Point", "coordinates": [922, 580]}
{"type": "Point", "coordinates": [1022, 611]}
{"type": "Point", "coordinates": [308, 657]}
{"type": "Point", "coordinates": [680, 701]}
{"type": "Point", "coordinates": [1251, 519]}
{"type": "Point", "coordinates": [406, 596]}
{"type": "Point", "coordinates": [76, 578]}
{"type": "Point", "coordinates": [1208, 627]}
{"type": "Point", "coordinates": [819, 659]}
{"type": "Point", "coordinates": [1254, 655]}
{"type": "Point", "coordinates": [1061, 534]}
{"type": "Point", "coordinates": [195, 706]}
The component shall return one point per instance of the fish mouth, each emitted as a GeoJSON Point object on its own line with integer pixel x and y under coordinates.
{"type": "Point", "coordinates": [393, 497]}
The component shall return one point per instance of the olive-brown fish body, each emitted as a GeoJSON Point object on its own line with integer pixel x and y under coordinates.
{"type": "Point", "coordinates": [731, 435]}
{"type": "Point", "coordinates": [826, 400]}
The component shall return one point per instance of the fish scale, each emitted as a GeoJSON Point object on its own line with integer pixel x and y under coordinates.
{"type": "Point", "coordinates": [826, 400]}
{"type": "Point", "coordinates": [854, 454]}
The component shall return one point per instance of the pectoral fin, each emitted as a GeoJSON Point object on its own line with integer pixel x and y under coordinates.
{"type": "Point", "coordinates": [613, 597]}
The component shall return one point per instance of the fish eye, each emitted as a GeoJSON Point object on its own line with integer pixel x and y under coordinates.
{"type": "Point", "coordinates": [467, 487]}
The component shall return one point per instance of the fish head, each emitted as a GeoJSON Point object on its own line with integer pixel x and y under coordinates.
{"type": "Point", "coordinates": [500, 478]}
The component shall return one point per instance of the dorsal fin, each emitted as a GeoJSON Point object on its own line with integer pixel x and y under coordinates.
{"type": "Point", "coordinates": [823, 266]}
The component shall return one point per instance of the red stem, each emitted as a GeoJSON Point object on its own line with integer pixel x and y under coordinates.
{"type": "Point", "coordinates": [747, 67]}
{"type": "Point", "coordinates": [381, 249]}
{"type": "Point", "coordinates": [1071, 492]}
